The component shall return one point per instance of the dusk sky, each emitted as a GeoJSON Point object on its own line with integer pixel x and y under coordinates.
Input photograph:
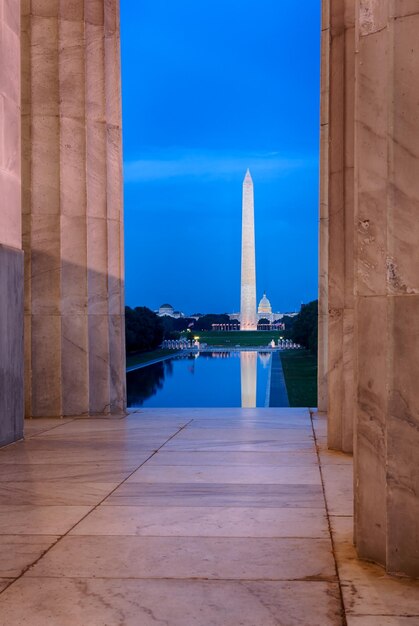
{"type": "Point", "coordinates": [211, 87]}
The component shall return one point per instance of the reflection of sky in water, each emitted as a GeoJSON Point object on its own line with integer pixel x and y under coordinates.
{"type": "Point", "coordinates": [210, 379]}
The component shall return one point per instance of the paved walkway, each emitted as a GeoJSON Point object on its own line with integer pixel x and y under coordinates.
{"type": "Point", "coordinates": [203, 517]}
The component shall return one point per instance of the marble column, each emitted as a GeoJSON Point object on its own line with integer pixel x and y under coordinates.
{"type": "Point", "coordinates": [72, 208]}
{"type": "Point", "coordinates": [387, 284]}
{"type": "Point", "coordinates": [322, 379]}
{"type": "Point", "coordinates": [336, 300]}
{"type": "Point", "coordinates": [11, 255]}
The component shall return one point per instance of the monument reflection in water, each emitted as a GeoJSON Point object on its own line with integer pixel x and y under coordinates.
{"type": "Point", "coordinates": [248, 379]}
{"type": "Point", "coordinates": [207, 379]}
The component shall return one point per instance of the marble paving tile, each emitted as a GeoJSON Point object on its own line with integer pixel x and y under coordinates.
{"type": "Point", "coordinates": [260, 424]}
{"type": "Point", "coordinates": [231, 459]}
{"type": "Point", "coordinates": [53, 453]}
{"type": "Point", "coordinates": [258, 445]}
{"type": "Point", "coordinates": [106, 441]}
{"type": "Point", "coordinates": [142, 438]}
{"type": "Point", "coordinates": [40, 520]}
{"type": "Point", "coordinates": [188, 557]}
{"type": "Point", "coordinates": [126, 428]}
{"type": "Point", "coordinates": [86, 424]}
{"type": "Point", "coordinates": [366, 588]}
{"type": "Point", "coordinates": [220, 517]}
{"type": "Point", "coordinates": [177, 421]}
{"type": "Point", "coordinates": [20, 551]}
{"type": "Point", "coordinates": [104, 471]}
{"type": "Point", "coordinates": [176, 603]}
{"type": "Point", "coordinates": [331, 457]}
{"type": "Point", "coordinates": [87, 429]}
{"type": "Point", "coordinates": [320, 425]}
{"type": "Point", "coordinates": [338, 485]}
{"type": "Point", "coordinates": [203, 522]}
{"type": "Point", "coordinates": [214, 494]}
{"type": "Point", "coordinates": [5, 582]}
{"type": "Point", "coordinates": [238, 474]}
{"type": "Point", "coordinates": [246, 434]}
{"type": "Point", "coordinates": [381, 620]}
{"type": "Point", "coordinates": [321, 440]}
{"type": "Point", "coordinates": [35, 426]}
{"type": "Point", "coordinates": [342, 528]}
{"type": "Point", "coordinates": [381, 596]}
{"type": "Point", "coordinates": [47, 493]}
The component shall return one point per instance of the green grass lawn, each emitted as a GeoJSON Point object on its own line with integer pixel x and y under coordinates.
{"type": "Point", "coordinates": [300, 372]}
{"type": "Point", "coordinates": [145, 357]}
{"type": "Point", "coordinates": [233, 338]}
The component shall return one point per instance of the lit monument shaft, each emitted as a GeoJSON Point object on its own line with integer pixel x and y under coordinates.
{"type": "Point", "coordinates": [248, 318]}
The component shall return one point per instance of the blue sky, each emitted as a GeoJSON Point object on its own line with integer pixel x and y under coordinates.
{"type": "Point", "coordinates": [211, 88]}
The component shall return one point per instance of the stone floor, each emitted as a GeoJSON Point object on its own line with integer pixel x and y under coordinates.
{"type": "Point", "coordinates": [186, 517]}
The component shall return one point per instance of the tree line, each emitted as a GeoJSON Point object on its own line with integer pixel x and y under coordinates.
{"type": "Point", "coordinates": [303, 329]}
{"type": "Point", "coordinates": [144, 330]}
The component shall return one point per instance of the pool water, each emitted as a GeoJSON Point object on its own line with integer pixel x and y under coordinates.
{"type": "Point", "coordinates": [205, 379]}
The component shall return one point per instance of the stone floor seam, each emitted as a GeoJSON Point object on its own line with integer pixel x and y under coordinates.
{"type": "Point", "coordinates": [26, 569]}
{"type": "Point", "coordinates": [344, 621]}
{"type": "Point", "coordinates": [233, 521]}
{"type": "Point", "coordinates": [47, 430]}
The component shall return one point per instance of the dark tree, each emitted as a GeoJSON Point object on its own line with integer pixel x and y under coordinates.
{"type": "Point", "coordinates": [263, 322]}
{"type": "Point", "coordinates": [304, 329]}
{"type": "Point", "coordinates": [143, 329]}
{"type": "Point", "coordinates": [288, 321]}
{"type": "Point", "coordinates": [206, 321]}
{"type": "Point", "coordinates": [174, 326]}
{"type": "Point", "coordinates": [144, 383]}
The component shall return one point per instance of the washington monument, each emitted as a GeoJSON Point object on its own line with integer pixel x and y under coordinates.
{"type": "Point", "coordinates": [248, 317]}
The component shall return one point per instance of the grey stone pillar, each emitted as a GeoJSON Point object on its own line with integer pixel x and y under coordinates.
{"type": "Point", "coordinates": [336, 300]}
{"type": "Point", "coordinates": [11, 255]}
{"type": "Point", "coordinates": [387, 285]}
{"type": "Point", "coordinates": [72, 208]}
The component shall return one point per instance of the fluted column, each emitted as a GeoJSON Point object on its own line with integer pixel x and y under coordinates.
{"type": "Point", "coordinates": [11, 255]}
{"type": "Point", "coordinates": [337, 223]}
{"type": "Point", "coordinates": [322, 378]}
{"type": "Point", "coordinates": [73, 230]}
{"type": "Point", "coordinates": [387, 285]}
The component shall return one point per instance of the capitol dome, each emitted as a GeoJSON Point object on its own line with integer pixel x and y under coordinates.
{"type": "Point", "coordinates": [166, 309]}
{"type": "Point", "coordinates": [264, 306]}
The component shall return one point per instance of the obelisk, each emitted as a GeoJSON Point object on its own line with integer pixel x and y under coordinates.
{"type": "Point", "coordinates": [248, 318]}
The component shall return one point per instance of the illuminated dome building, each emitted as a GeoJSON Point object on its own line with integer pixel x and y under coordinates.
{"type": "Point", "coordinates": [264, 312]}
{"type": "Point", "coordinates": [167, 309]}
{"type": "Point", "coordinates": [264, 308]}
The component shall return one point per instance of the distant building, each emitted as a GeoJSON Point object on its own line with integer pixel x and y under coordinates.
{"type": "Point", "coordinates": [264, 307]}
{"type": "Point", "coordinates": [167, 309]}
{"type": "Point", "coordinates": [264, 312]}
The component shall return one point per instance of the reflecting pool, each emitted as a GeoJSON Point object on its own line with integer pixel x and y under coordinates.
{"type": "Point", "coordinates": [205, 379]}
